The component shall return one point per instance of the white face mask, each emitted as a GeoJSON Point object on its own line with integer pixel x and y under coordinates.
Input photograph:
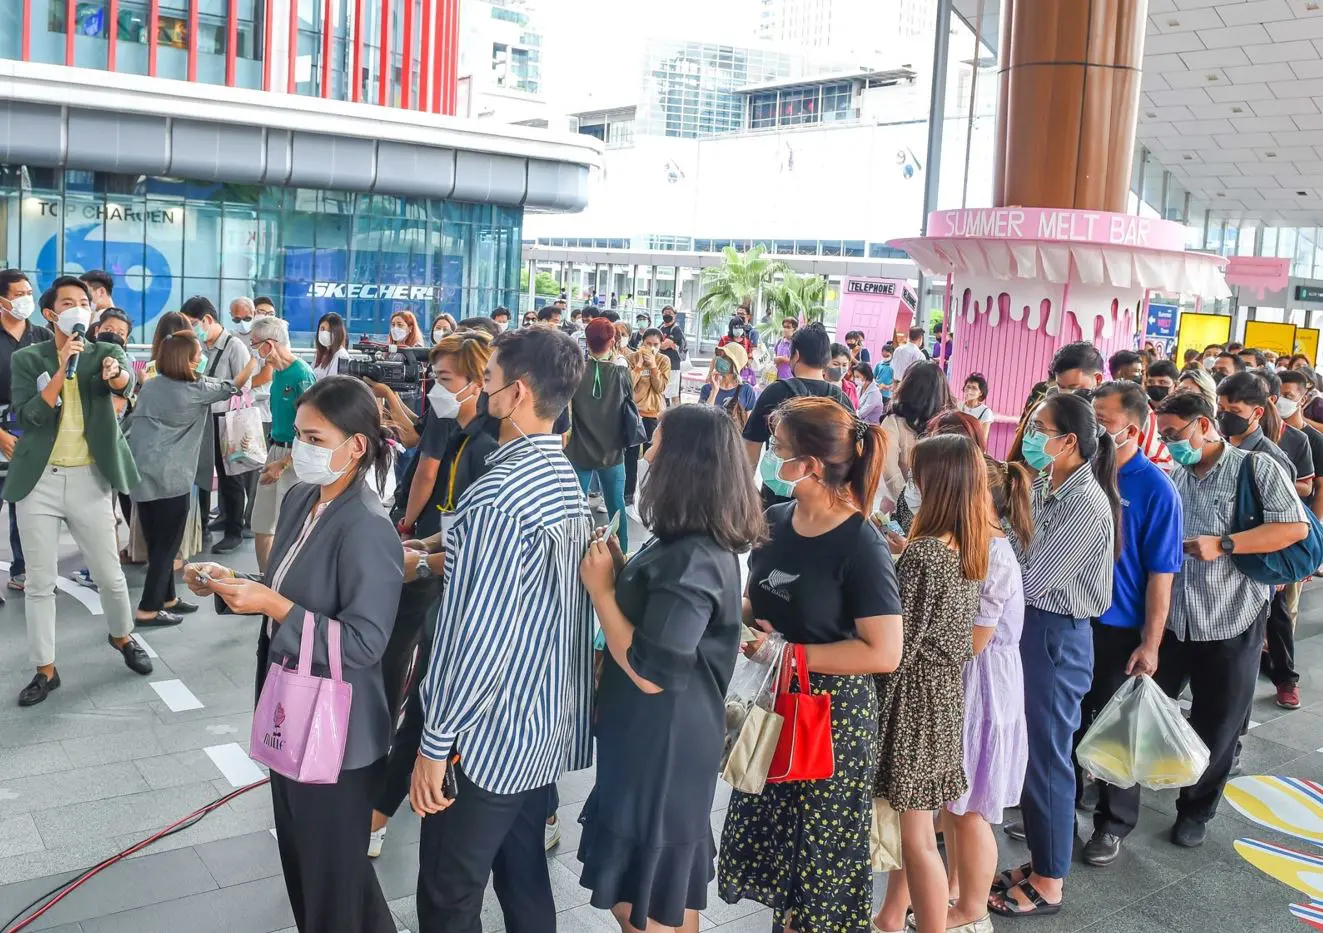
{"type": "Point", "coordinates": [312, 464]}
{"type": "Point", "coordinates": [71, 317]}
{"type": "Point", "coordinates": [443, 402]}
{"type": "Point", "coordinates": [21, 308]}
{"type": "Point", "coordinates": [1287, 407]}
{"type": "Point", "coordinates": [438, 335]}
{"type": "Point", "coordinates": [243, 327]}
{"type": "Point", "coordinates": [324, 337]}
{"type": "Point", "coordinates": [399, 333]}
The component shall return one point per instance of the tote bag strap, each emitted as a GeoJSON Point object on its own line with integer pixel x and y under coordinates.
{"type": "Point", "coordinates": [305, 644]}
{"type": "Point", "coordinates": [794, 662]}
{"type": "Point", "coordinates": [333, 650]}
{"type": "Point", "coordinates": [333, 654]}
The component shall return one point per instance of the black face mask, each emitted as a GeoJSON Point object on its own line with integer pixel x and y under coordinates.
{"type": "Point", "coordinates": [835, 373]}
{"type": "Point", "coordinates": [1158, 393]}
{"type": "Point", "coordinates": [668, 319]}
{"type": "Point", "coordinates": [116, 339]}
{"type": "Point", "coordinates": [1232, 424]}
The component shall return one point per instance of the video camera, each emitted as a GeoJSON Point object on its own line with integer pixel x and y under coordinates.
{"type": "Point", "coordinates": [402, 369]}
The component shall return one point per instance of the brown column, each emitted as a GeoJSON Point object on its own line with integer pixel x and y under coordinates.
{"type": "Point", "coordinates": [1069, 102]}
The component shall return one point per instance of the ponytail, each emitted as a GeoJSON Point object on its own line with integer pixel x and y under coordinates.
{"type": "Point", "coordinates": [1011, 486]}
{"type": "Point", "coordinates": [1074, 415]}
{"type": "Point", "coordinates": [1103, 464]}
{"type": "Point", "coordinates": [865, 473]}
{"type": "Point", "coordinates": [1271, 422]}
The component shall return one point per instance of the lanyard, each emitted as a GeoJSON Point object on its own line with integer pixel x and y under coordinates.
{"type": "Point", "coordinates": [449, 505]}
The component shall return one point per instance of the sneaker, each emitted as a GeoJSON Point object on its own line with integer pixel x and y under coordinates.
{"type": "Point", "coordinates": [18, 582]}
{"type": "Point", "coordinates": [83, 578]}
{"type": "Point", "coordinates": [551, 834]}
{"type": "Point", "coordinates": [227, 544]}
{"type": "Point", "coordinates": [1015, 830]}
{"type": "Point", "coordinates": [38, 689]}
{"type": "Point", "coordinates": [375, 841]}
{"type": "Point", "coordinates": [1188, 833]}
{"type": "Point", "coordinates": [1288, 696]}
{"type": "Point", "coordinates": [1102, 849]}
{"type": "Point", "coordinates": [135, 659]}
{"type": "Point", "coordinates": [632, 511]}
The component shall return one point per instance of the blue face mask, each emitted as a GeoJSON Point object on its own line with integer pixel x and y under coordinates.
{"type": "Point", "coordinates": [769, 470]}
{"type": "Point", "coordinates": [1183, 453]}
{"type": "Point", "coordinates": [1034, 450]}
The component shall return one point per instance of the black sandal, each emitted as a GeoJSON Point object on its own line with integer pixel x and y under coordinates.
{"type": "Point", "coordinates": [1003, 882]}
{"type": "Point", "coordinates": [1010, 907]}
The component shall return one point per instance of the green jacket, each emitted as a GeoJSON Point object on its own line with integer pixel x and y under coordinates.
{"type": "Point", "coordinates": [39, 422]}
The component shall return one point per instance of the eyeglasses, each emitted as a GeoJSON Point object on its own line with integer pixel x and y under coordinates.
{"type": "Point", "coordinates": [1177, 435]}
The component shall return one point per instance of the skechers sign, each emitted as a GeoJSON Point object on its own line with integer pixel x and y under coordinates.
{"type": "Point", "coordinates": [383, 292]}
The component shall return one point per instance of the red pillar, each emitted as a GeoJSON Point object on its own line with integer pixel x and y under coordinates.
{"type": "Point", "coordinates": [447, 56]}
{"type": "Point", "coordinates": [425, 34]}
{"type": "Point", "coordinates": [231, 41]}
{"type": "Point", "coordinates": [293, 44]}
{"type": "Point", "coordinates": [406, 58]}
{"type": "Point", "coordinates": [112, 34]}
{"type": "Point", "coordinates": [328, 27]}
{"type": "Point", "coordinates": [383, 71]}
{"type": "Point", "coordinates": [193, 40]}
{"type": "Point", "coordinates": [268, 22]}
{"type": "Point", "coordinates": [70, 11]}
{"type": "Point", "coordinates": [25, 44]}
{"type": "Point", "coordinates": [356, 75]}
{"type": "Point", "coordinates": [153, 28]}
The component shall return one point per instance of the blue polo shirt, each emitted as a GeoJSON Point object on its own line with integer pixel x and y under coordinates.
{"type": "Point", "coordinates": [1150, 538]}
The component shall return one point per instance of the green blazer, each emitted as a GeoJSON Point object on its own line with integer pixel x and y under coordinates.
{"type": "Point", "coordinates": [39, 422]}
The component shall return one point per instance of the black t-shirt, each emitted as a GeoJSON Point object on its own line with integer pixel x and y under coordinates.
{"type": "Point", "coordinates": [1296, 446]}
{"type": "Point", "coordinates": [812, 590]}
{"type": "Point", "coordinates": [756, 429]}
{"type": "Point", "coordinates": [676, 333]}
{"type": "Point", "coordinates": [1315, 438]}
{"type": "Point", "coordinates": [465, 456]}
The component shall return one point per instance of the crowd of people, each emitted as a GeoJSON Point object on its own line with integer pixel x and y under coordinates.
{"type": "Point", "coordinates": [967, 615]}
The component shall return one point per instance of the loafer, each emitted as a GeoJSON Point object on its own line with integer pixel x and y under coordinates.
{"type": "Point", "coordinates": [182, 608]}
{"type": "Point", "coordinates": [38, 689]}
{"type": "Point", "coordinates": [1015, 830]}
{"type": "Point", "coordinates": [227, 544]}
{"type": "Point", "coordinates": [1102, 849]}
{"type": "Point", "coordinates": [161, 619]}
{"type": "Point", "coordinates": [1188, 833]}
{"type": "Point", "coordinates": [135, 659]}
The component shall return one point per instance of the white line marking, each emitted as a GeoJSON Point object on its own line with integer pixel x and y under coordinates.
{"type": "Point", "coordinates": [234, 763]}
{"type": "Point", "coordinates": [175, 695]}
{"type": "Point", "coordinates": [1254, 725]}
{"type": "Point", "coordinates": [90, 599]}
{"type": "Point", "coordinates": [142, 643]}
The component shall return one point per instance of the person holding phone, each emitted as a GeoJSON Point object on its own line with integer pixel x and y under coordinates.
{"type": "Point", "coordinates": [332, 527]}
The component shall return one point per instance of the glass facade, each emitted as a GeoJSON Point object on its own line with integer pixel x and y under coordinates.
{"type": "Point", "coordinates": [691, 88]}
{"type": "Point", "coordinates": [819, 103]}
{"type": "Point", "coordinates": [164, 240]}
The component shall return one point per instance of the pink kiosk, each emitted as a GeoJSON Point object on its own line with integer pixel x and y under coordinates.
{"type": "Point", "coordinates": [879, 307]}
{"type": "Point", "coordinates": [1023, 282]}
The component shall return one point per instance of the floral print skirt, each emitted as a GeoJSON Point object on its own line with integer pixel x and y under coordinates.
{"type": "Point", "coordinates": [802, 848]}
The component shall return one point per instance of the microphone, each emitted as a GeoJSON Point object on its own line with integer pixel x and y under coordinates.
{"type": "Point", "coordinates": [78, 331]}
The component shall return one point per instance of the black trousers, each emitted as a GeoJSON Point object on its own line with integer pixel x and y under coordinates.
{"type": "Point", "coordinates": [249, 481]}
{"type": "Point", "coordinates": [229, 488]}
{"type": "Point", "coordinates": [1281, 637]}
{"type": "Point", "coordinates": [1221, 676]}
{"type": "Point", "coordinates": [1118, 810]}
{"type": "Point", "coordinates": [162, 522]}
{"type": "Point", "coordinates": [485, 835]}
{"type": "Point", "coordinates": [322, 832]}
{"type": "Point", "coordinates": [404, 666]}
{"type": "Point", "coordinates": [632, 455]}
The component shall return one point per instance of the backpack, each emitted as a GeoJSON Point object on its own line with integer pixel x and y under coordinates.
{"type": "Point", "coordinates": [1292, 563]}
{"type": "Point", "coordinates": [799, 390]}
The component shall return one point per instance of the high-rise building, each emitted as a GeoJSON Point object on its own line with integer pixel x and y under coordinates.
{"type": "Point", "coordinates": [290, 148]}
{"type": "Point", "coordinates": [856, 25]}
{"type": "Point", "coordinates": [501, 62]}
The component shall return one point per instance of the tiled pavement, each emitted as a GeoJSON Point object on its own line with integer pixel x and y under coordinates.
{"type": "Point", "coordinates": [106, 762]}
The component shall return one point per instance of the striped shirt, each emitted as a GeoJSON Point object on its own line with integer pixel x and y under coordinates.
{"type": "Point", "coordinates": [1151, 446]}
{"type": "Point", "coordinates": [1068, 564]}
{"type": "Point", "coordinates": [510, 683]}
{"type": "Point", "coordinates": [1211, 600]}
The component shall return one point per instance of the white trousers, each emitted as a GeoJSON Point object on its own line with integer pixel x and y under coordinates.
{"type": "Point", "coordinates": [81, 498]}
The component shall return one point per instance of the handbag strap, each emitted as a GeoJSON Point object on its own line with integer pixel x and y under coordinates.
{"type": "Point", "coordinates": [332, 647]}
{"type": "Point", "coordinates": [333, 650]}
{"type": "Point", "coordinates": [794, 661]}
{"type": "Point", "coordinates": [305, 643]}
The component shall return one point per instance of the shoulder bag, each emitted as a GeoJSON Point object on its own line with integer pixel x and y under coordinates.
{"type": "Point", "coordinates": [804, 750]}
{"type": "Point", "coordinates": [632, 431]}
{"type": "Point", "coordinates": [302, 721]}
{"type": "Point", "coordinates": [1292, 563]}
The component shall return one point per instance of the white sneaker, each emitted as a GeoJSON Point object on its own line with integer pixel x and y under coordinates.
{"type": "Point", "coordinates": [596, 503]}
{"type": "Point", "coordinates": [632, 511]}
{"type": "Point", "coordinates": [551, 834]}
{"type": "Point", "coordinates": [375, 840]}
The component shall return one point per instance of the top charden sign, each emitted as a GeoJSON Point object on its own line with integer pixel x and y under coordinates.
{"type": "Point", "coordinates": [1038, 224]}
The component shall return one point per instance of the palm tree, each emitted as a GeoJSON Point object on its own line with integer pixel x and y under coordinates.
{"type": "Point", "coordinates": [798, 296]}
{"type": "Point", "coordinates": [737, 281]}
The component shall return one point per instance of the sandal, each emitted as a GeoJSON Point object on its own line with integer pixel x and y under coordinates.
{"type": "Point", "coordinates": [1004, 882]}
{"type": "Point", "coordinates": [1008, 906]}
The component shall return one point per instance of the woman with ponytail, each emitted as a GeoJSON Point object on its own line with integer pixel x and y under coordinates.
{"type": "Point", "coordinates": [332, 527]}
{"type": "Point", "coordinates": [1068, 568]}
{"type": "Point", "coordinates": [920, 764]}
{"type": "Point", "coordinates": [824, 580]}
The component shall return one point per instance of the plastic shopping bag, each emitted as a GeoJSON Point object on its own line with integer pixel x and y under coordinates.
{"type": "Point", "coordinates": [1140, 737]}
{"type": "Point", "coordinates": [752, 727]}
{"type": "Point", "coordinates": [243, 445]}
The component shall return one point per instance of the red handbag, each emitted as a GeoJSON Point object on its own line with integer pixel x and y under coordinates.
{"type": "Point", "coordinates": [804, 752]}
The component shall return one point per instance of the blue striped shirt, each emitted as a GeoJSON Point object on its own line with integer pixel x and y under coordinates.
{"type": "Point", "coordinates": [510, 682]}
{"type": "Point", "coordinates": [1068, 564]}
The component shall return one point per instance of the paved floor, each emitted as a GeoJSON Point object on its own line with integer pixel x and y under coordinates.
{"type": "Point", "coordinates": [112, 757]}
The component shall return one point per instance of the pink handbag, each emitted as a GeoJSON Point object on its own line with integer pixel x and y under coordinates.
{"type": "Point", "coordinates": [301, 721]}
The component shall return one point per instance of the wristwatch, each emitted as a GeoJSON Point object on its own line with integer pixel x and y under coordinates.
{"type": "Point", "coordinates": [424, 570]}
{"type": "Point", "coordinates": [1228, 546]}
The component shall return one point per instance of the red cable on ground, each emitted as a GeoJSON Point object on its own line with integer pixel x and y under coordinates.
{"type": "Point", "coordinates": [70, 886]}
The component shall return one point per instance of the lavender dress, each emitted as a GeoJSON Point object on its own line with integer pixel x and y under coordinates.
{"type": "Point", "coordinates": [996, 746]}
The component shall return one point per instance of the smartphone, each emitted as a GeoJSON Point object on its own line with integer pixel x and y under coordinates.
{"type": "Point", "coordinates": [201, 576]}
{"type": "Point", "coordinates": [450, 783]}
{"type": "Point", "coordinates": [613, 526]}
{"type": "Point", "coordinates": [893, 526]}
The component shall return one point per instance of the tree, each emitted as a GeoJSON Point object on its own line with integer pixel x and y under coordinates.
{"type": "Point", "coordinates": [798, 296]}
{"type": "Point", "coordinates": [544, 284]}
{"type": "Point", "coordinates": [738, 280]}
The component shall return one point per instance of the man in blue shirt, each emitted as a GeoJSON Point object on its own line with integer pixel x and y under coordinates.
{"type": "Point", "coordinates": [1127, 636]}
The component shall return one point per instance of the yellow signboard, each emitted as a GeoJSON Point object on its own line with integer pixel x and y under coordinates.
{"type": "Point", "coordinates": [1306, 342]}
{"type": "Point", "coordinates": [1265, 335]}
{"type": "Point", "coordinates": [1198, 331]}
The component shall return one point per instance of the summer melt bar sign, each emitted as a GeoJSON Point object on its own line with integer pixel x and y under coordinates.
{"type": "Point", "coordinates": [1026, 223]}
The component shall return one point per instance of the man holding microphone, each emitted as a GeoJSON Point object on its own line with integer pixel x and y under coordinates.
{"type": "Point", "coordinates": [66, 464]}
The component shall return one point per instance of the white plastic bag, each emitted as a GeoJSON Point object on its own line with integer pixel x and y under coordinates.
{"type": "Point", "coordinates": [1140, 737]}
{"type": "Point", "coordinates": [242, 440]}
{"type": "Point", "coordinates": [752, 684]}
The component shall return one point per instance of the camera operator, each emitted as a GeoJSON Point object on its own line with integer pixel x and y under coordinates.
{"type": "Point", "coordinates": [444, 472]}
